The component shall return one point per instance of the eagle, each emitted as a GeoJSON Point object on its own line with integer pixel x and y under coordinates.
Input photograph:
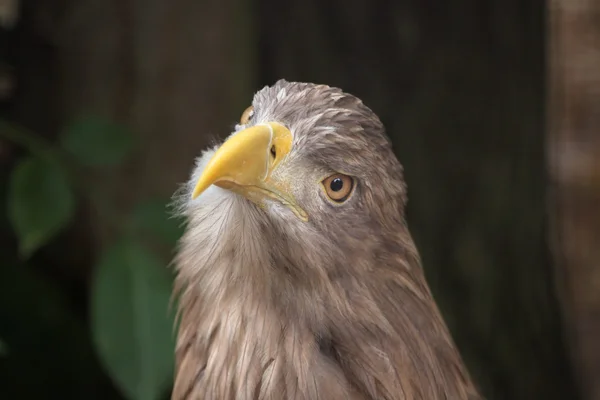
{"type": "Point", "coordinates": [297, 277]}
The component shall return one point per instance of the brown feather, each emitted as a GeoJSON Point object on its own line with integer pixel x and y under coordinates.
{"type": "Point", "coordinates": [337, 308]}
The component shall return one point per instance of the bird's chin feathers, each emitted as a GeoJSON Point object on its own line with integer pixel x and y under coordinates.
{"type": "Point", "coordinates": [222, 222]}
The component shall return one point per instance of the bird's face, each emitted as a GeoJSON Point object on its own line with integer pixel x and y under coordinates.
{"type": "Point", "coordinates": [312, 162]}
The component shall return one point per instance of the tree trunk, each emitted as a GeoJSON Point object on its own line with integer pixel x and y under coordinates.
{"type": "Point", "coordinates": [173, 71]}
{"type": "Point", "coordinates": [574, 162]}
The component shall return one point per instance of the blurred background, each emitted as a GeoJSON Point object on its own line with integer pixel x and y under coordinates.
{"type": "Point", "coordinates": [493, 107]}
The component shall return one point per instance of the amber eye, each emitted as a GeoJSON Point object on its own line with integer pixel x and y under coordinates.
{"type": "Point", "coordinates": [338, 187]}
{"type": "Point", "coordinates": [247, 115]}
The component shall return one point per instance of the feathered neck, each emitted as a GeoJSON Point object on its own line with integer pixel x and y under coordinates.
{"type": "Point", "coordinates": [235, 338]}
{"type": "Point", "coordinates": [247, 332]}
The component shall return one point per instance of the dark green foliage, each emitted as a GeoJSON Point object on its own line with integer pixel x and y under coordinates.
{"type": "Point", "coordinates": [40, 201]}
{"type": "Point", "coordinates": [48, 348]}
{"type": "Point", "coordinates": [131, 327]}
{"type": "Point", "coordinates": [95, 141]}
{"type": "Point", "coordinates": [153, 217]}
{"type": "Point", "coordinates": [132, 330]}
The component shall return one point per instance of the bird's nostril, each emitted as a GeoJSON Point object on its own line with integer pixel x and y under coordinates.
{"type": "Point", "coordinates": [273, 151]}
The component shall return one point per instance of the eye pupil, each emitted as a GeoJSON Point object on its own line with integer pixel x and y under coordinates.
{"type": "Point", "coordinates": [336, 184]}
{"type": "Point", "coordinates": [338, 187]}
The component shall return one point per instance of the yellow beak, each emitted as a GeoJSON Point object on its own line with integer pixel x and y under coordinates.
{"type": "Point", "coordinates": [245, 163]}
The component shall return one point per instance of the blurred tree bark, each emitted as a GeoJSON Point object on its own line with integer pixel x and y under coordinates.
{"type": "Point", "coordinates": [574, 162]}
{"type": "Point", "coordinates": [459, 86]}
{"type": "Point", "coordinates": [173, 71]}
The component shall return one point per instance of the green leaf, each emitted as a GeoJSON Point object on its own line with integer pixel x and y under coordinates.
{"type": "Point", "coordinates": [96, 141]}
{"type": "Point", "coordinates": [132, 325]}
{"type": "Point", "coordinates": [154, 217]}
{"type": "Point", "coordinates": [40, 202]}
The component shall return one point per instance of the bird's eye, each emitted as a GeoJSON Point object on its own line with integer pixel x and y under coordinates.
{"type": "Point", "coordinates": [338, 187]}
{"type": "Point", "coordinates": [247, 115]}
